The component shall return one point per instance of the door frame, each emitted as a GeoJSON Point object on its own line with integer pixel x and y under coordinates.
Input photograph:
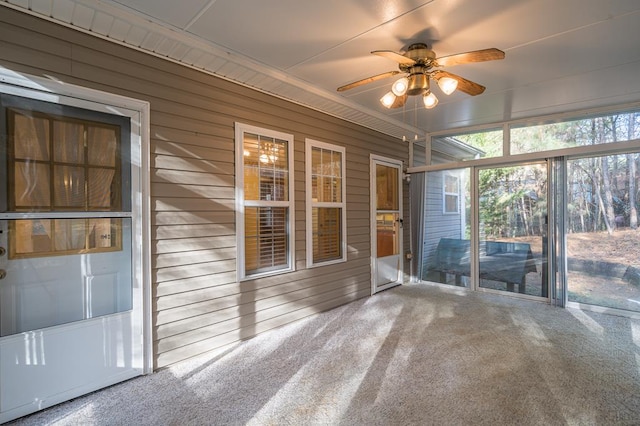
{"type": "Point", "coordinates": [374, 160]}
{"type": "Point", "coordinates": [48, 90]}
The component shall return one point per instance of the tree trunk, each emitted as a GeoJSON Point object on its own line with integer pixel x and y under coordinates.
{"type": "Point", "coordinates": [608, 197]}
{"type": "Point", "coordinates": [633, 211]}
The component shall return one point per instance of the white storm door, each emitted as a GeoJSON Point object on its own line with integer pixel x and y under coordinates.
{"type": "Point", "coordinates": [386, 223]}
{"type": "Point", "coordinates": [70, 289]}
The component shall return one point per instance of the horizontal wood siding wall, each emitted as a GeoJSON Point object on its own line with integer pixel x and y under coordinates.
{"type": "Point", "coordinates": [198, 305]}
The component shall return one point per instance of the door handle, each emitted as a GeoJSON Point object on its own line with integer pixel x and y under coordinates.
{"type": "Point", "coordinates": [2, 251]}
{"type": "Point", "coordinates": [3, 274]}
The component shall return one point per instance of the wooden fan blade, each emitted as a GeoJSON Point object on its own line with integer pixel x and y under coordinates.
{"type": "Point", "coordinates": [367, 80]}
{"type": "Point", "coordinates": [474, 56]}
{"type": "Point", "coordinates": [401, 59]}
{"type": "Point", "coordinates": [464, 85]}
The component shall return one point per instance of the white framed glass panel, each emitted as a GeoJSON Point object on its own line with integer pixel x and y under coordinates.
{"type": "Point", "coordinates": [584, 131]}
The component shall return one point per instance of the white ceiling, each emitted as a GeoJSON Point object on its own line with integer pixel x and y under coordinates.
{"type": "Point", "coordinates": [561, 55]}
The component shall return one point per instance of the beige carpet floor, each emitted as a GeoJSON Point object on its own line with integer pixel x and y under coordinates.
{"type": "Point", "coordinates": [412, 355]}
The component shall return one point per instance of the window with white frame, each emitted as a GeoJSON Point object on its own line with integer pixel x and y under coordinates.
{"type": "Point", "coordinates": [325, 204]}
{"type": "Point", "coordinates": [451, 194]}
{"type": "Point", "coordinates": [264, 194]}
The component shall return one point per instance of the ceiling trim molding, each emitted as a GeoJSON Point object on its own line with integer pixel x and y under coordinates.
{"type": "Point", "coordinates": [112, 23]}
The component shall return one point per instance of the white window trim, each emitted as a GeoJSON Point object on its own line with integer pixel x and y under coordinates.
{"type": "Point", "coordinates": [310, 204]}
{"type": "Point", "coordinates": [240, 130]}
{"type": "Point", "coordinates": [445, 193]}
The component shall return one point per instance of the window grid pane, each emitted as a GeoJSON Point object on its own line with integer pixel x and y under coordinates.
{"type": "Point", "coordinates": [266, 238]}
{"type": "Point", "coordinates": [327, 234]}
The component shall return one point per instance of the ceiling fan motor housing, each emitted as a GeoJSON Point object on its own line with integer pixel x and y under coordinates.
{"type": "Point", "coordinates": [420, 53]}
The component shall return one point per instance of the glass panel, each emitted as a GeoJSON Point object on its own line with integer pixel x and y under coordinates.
{"type": "Point", "coordinates": [31, 186]}
{"type": "Point", "coordinates": [445, 242]}
{"type": "Point", "coordinates": [102, 147]}
{"type": "Point", "coordinates": [31, 137]}
{"type": "Point", "coordinates": [266, 244]}
{"type": "Point", "coordinates": [387, 188]}
{"type": "Point", "coordinates": [70, 234]}
{"type": "Point", "coordinates": [468, 146]}
{"type": "Point", "coordinates": [45, 237]}
{"type": "Point", "coordinates": [100, 184]}
{"type": "Point", "coordinates": [266, 175]}
{"type": "Point", "coordinates": [31, 236]}
{"type": "Point", "coordinates": [613, 128]}
{"type": "Point", "coordinates": [603, 255]}
{"type": "Point", "coordinates": [387, 228]}
{"type": "Point", "coordinates": [42, 292]}
{"type": "Point", "coordinates": [327, 234]}
{"type": "Point", "coordinates": [512, 226]}
{"type": "Point", "coordinates": [69, 187]}
{"type": "Point", "coordinates": [326, 169]}
{"type": "Point", "coordinates": [68, 142]}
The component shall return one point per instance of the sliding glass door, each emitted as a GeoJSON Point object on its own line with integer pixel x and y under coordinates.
{"type": "Point", "coordinates": [602, 236]}
{"type": "Point", "coordinates": [512, 229]}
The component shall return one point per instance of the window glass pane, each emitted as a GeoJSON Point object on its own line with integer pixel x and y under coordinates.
{"type": "Point", "coordinates": [266, 244]}
{"type": "Point", "coordinates": [70, 234]}
{"type": "Point", "coordinates": [612, 128]}
{"type": "Point", "coordinates": [445, 256]}
{"type": "Point", "coordinates": [603, 266]}
{"type": "Point", "coordinates": [99, 185]}
{"type": "Point", "coordinates": [31, 185]}
{"type": "Point", "coordinates": [327, 234]}
{"type": "Point", "coordinates": [451, 204]}
{"type": "Point", "coordinates": [387, 188]}
{"type": "Point", "coordinates": [30, 236]}
{"type": "Point", "coordinates": [68, 142]}
{"type": "Point", "coordinates": [102, 147]}
{"type": "Point", "coordinates": [68, 186]}
{"type": "Point", "coordinates": [467, 146]}
{"type": "Point", "coordinates": [387, 228]}
{"type": "Point", "coordinates": [266, 175]}
{"type": "Point", "coordinates": [451, 184]}
{"type": "Point", "coordinates": [104, 233]}
{"type": "Point", "coordinates": [316, 161]}
{"type": "Point", "coordinates": [31, 137]}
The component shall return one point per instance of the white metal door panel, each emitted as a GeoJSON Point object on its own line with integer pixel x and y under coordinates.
{"type": "Point", "coordinates": [45, 367]}
{"type": "Point", "coordinates": [72, 321]}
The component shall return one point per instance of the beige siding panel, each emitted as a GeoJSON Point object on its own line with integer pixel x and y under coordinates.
{"type": "Point", "coordinates": [193, 257]}
{"type": "Point", "coordinates": [189, 244]}
{"type": "Point", "coordinates": [195, 230]}
{"type": "Point", "coordinates": [191, 204]}
{"type": "Point", "coordinates": [251, 313]}
{"type": "Point", "coordinates": [191, 178]}
{"type": "Point", "coordinates": [186, 217]}
{"type": "Point", "coordinates": [224, 283]}
{"type": "Point", "coordinates": [191, 151]}
{"type": "Point", "coordinates": [246, 302]}
{"type": "Point", "coordinates": [191, 191]}
{"type": "Point", "coordinates": [198, 303]}
{"type": "Point", "coordinates": [196, 270]}
{"type": "Point", "coordinates": [193, 165]}
{"type": "Point", "coordinates": [167, 358]}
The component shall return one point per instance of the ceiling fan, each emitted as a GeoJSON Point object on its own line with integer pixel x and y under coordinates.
{"type": "Point", "coordinates": [420, 65]}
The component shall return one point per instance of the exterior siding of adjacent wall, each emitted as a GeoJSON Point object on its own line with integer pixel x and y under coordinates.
{"type": "Point", "coordinates": [198, 305]}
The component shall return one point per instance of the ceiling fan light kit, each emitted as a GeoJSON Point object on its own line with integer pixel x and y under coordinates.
{"type": "Point", "coordinates": [420, 64]}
